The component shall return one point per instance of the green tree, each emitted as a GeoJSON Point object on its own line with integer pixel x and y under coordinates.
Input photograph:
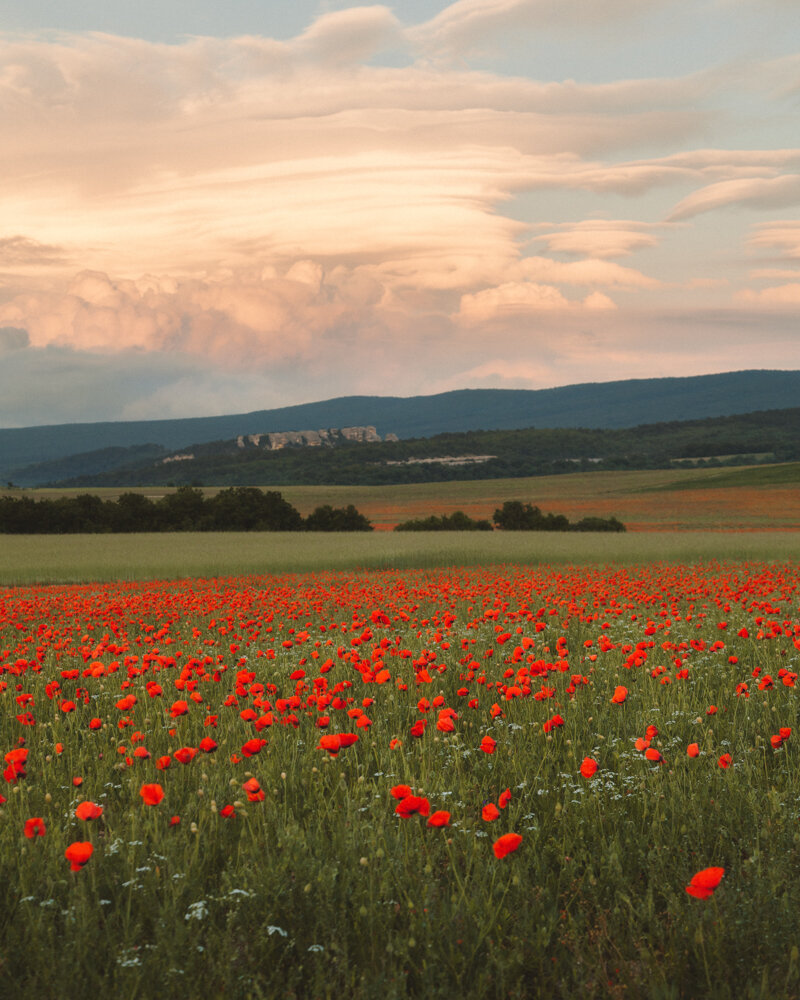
{"type": "Point", "coordinates": [328, 518]}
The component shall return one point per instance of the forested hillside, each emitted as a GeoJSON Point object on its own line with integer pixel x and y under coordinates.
{"type": "Point", "coordinates": [772, 435]}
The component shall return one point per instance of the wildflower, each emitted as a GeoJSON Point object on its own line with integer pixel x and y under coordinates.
{"type": "Point", "coordinates": [620, 694]}
{"type": "Point", "coordinates": [185, 754]}
{"type": "Point", "coordinates": [507, 844]}
{"type": "Point", "coordinates": [412, 804]}
{"type": "Point", "coordinates": [490, 812]}
{"type": "Point", "coordinates": [653, 755]}
{"type": "Point", "coordinates": [505, 798]}
{"type": "Point", "coordinates": [693, 750]}
{"type": "Point", "coordinates": [488, 744]}
{"type": "Point", "coordinates": [34, 827]}
{"type": "Point", "coordinates": [78, 854]}
{"type": "Point", "coordinates": [704, 882]}
{"type": "Point", "coordinates": [725, 761]}
{"type": "Point", "coordinates": [588, 767]}
{"type": "Point", "coordinates": [88, 810]}
{"type": "Point", "coordinates": [252, 747]}
{"type": "Point", "coordinates": [400, 791]}
{"type": "Point", "coordinates": [151, 794]}
{"type": "Point", "coordinates": [440, 818]}
{"type": "Point", "coordinates": [254, 791]}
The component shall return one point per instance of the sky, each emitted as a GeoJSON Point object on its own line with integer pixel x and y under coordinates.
{"type": "Point", "coordinates": [211, 208]}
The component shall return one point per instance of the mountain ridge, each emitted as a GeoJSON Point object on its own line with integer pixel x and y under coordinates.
{"type": "Point", "coordinates": [606, 405]}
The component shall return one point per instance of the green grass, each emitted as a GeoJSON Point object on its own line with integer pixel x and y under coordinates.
{"type": "Point", "coordinates": [787, 474]}
{"type": "Point", "coordinates": [320, 891]}
{"type": "Point", "coordinates": [81, 558]}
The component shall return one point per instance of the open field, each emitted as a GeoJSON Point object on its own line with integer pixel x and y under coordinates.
{"type": "Point", "coordinates": [83, 558]}
{"type": "Point", "coordinates": [756, 498]}
{"type": "Point", "coordinates": [485, 783]}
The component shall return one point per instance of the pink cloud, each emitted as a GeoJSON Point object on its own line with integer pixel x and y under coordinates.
{"type": "Point", "coordinates": [599, 238]}
{"type": "Point", "coordinates": [755, 192]}
{"type": "Point", "coordinates": [781, 236]}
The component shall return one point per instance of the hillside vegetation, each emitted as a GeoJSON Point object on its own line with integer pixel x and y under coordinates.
{"type": "Point", "coordinates": [100, 446]}
{"type": "Point", "coordinates": [772, 435]}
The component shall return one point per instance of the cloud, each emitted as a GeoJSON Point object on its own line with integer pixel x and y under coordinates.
{"type": "Point", "coordinates": [753, 192]}
{"type": "Point", "coordinates": [778, 296]}
{"type": "Point", "coordinates": [467, 24]}
{"type": "Point", "coordinates": [515, 300]}
{"type": "Point", "coordinates": [243, 319]}
{"type": "Point", "coordinates": [21, 251]}
{"type": "Point", "coordinates": [13, 338]}
{"type": "Point", "coordinates": [348, 36]}
{"type": "Point", "coordinates": [781, 236]}
{"type": "Point", "coordinates": [599, 239]}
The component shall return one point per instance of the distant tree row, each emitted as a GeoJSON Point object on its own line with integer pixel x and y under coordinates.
{"type": "Point", "coordinates": [241, 508]}
{"type": "Point", "coordinates": [457, 521]}
{"type": "Point", "coordinates": [512, 516]}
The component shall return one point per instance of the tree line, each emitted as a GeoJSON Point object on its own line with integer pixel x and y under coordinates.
{"type": "Point", "coordinates": [240, 508]}
{"type": "Point", "coordinates": [512, 516]}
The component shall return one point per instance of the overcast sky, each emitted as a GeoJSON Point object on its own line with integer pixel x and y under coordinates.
{"type": "Point", "coordinates": [212, 208]}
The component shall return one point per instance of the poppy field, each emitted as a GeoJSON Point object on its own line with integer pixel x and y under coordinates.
{"type": "Point", "coordinates": [499, 781]}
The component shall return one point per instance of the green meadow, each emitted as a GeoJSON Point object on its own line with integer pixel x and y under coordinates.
{"type": "Point", "coordinates": [27, 559]}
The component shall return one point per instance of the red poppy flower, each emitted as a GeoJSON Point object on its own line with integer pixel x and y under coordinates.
{"type": "Point", "coordinates": [401, 791]}
{"type": "Point", "coordinates": [179, 708]}
{"type": "Point", "coordinates": [419, 728]}
{"type": "Point", "coordinates": [488, 744]}
{"type": "Point", "coordinates": [439, 818]}
{"type": "Point", "coordinates": [207, 745]}
{"type": "Point", "coordinates": [34, 827]}
{"type": "Point", "coordinates": [490, 812]}
{"type": "Point", "coordinates": [653, 755]}
{"type": "Point", "coordinates": [227, 811]}
{"type": "Point", "coordinates": [505, 798]}
{"type": "Point", "coordinates": [252, 747]}
{"type": "Point", "coordinates": [704, 882]}
{"type": "Point", "coordinates": [254, 791]}
{"type": "Point", "coordinates": [185, 755]}
{"type": "Point", "coordinates": [412, 804]}
{"type": "Point", "coordinates": [163, 762]}
{"type": "Point", "coordinates": [151, 794]}
{"type": "Point", "coordinates": [693, 750]}
{"type": "Point", "coordinates": [588, 767]}
{"type": "Point", "coordinates": [725, 761]}
{"type": "Point", "coordinates": [78, 854]}
{"type": "Point", "coordinates": [88, 810]}
{"type": "Point", "coordinates": [507, 844]}
{"type": "Point", "coordinates": [620, 694]}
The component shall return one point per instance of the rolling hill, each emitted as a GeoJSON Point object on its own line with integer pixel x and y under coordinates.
{"type": "Point", "coordinates": [606, 405]}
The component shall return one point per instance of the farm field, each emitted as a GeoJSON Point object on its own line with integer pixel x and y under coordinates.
{"type": "Point", "coordinates": [755, 498]}
{"type": "Point", "coordinates": [28, 559]}
{"type": "Point", "coordinates": [486, 782]}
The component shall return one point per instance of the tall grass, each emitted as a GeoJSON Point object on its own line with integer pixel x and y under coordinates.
{"type": "Point", "coordinates": [81, 558]}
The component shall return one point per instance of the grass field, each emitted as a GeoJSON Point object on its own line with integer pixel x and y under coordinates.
{"type": "Point", "coordinates": [488, 784]}
{"type": "Point", "coordinates": [757, 498]}
{"type": "Point", "coordinates": [81, 558]}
